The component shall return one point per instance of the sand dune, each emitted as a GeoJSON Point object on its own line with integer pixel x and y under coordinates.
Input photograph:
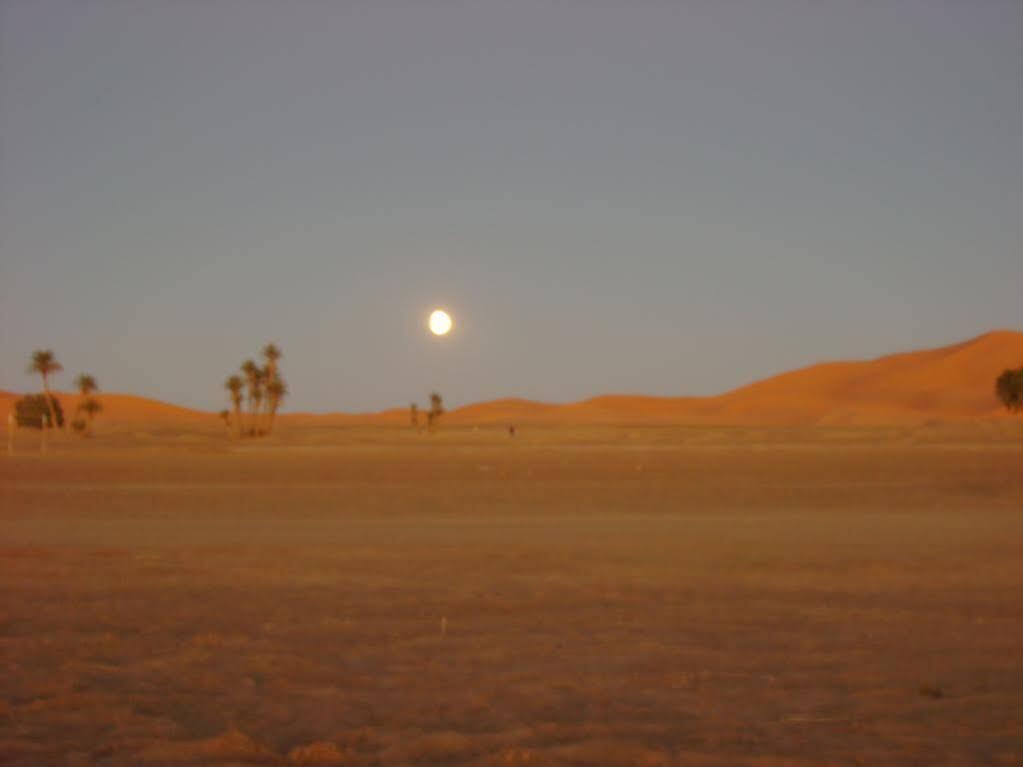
{"type": "Point", "coordinates": [947, 383]}
{"type": "Point", "coordinates": [120, 408]}
{"type": "Point", "coordinates": [950, 382]}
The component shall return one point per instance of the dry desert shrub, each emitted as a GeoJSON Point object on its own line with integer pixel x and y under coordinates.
{"type": "Point", "coordinates": [319, 754]}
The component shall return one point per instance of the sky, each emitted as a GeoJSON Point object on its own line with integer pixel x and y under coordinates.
{"type": "Point", "coordinates": [609, 197]}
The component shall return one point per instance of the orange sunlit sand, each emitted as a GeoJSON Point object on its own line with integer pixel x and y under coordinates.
{"type": "Point", "coordinates": [828, 559]}
{"type": "Point", "coordinates": [948, 383]}
{"type": "Point", "coordinates": [511, 384]}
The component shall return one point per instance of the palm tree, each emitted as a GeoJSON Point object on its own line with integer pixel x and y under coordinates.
{"type": "Point", "coordinates": [87, 404]}
{"type": "Point", "coordinates": [254, 383]}
{"type": "Point", "coordinates": [91, 407]}
{"type": "Point", "coordinates": [276, 391]}
{"type": "Point", "coordinates": [86, 384]}
{"type": "Point", "coordinates": [44, 363]}
{"type": "Point", "coordinates": [436, 409]}
{"type": "Point", "coordinates": [234, 385]}
{"type": "Point", "coordinates": [258, 396]}
{"type": "Point", "coordinates": [271, 354]}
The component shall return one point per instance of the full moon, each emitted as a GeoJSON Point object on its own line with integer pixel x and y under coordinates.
{"type": "Point", "coordinates": [440, 322]}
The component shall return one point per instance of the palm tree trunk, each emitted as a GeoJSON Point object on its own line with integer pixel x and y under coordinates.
{"type": "Point", "coordinates": [271, 376]}
{"type": "Point", "coordinates": [49, 402]}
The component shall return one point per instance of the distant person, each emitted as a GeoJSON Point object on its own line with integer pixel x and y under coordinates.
{"type": "Point", "coordinates": [511, 430]}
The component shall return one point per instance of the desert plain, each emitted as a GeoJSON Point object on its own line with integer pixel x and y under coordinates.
{"type": "Point", "coordinates": [602, 595]}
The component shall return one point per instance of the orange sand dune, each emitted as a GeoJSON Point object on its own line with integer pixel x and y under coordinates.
{"type": "Point", "coordinates": [951, 382]}
{"type": "Point", "coordinates": [119, 408]}
{"type": "Point", "coordinates": [508, 410]}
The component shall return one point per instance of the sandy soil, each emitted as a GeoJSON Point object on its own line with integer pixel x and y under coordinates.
{"type": "Point", "coordinates": [690, 596]}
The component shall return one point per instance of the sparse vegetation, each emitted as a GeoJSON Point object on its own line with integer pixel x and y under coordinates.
{"type": "Point", "coordinates": [264, 389]}
{"type": "Point", "coordinates": [254, 377]}
{"type": "Point", "coordinates": [276, 391]}
{"type": "Point", "coordinates": [235, 385]}
{"type": "Point", "coordinates": [44, 364]}
{"type": "Point", "coordinates": [1009, 389]}
{"type": "Point", "coordinates": [89, 409]}
{"type": "Point", "coordinates": [88, 406]}
{"type": "Point", "coordinates": [32, 410]}
{"type": "Point", "coordinates": [435, 412]}
{"type": "Point", "coordinates": [275, 388]}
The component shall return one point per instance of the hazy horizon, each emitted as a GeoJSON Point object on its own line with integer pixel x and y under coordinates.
{"type": "Point", "coordinates": [653, 198]}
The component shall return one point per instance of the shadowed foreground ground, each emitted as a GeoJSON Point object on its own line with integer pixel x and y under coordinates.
{"type": "Point", "coordinates": [643, 597]}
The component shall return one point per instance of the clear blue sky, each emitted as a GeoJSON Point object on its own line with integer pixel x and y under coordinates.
{"type": "Point", "coordinates": [658, 197]}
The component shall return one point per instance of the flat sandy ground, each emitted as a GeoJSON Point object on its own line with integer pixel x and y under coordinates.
{"type": "Point", "coordinates": [610, 597]}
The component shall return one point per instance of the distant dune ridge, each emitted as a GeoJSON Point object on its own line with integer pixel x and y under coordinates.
{"type": "Point", "coordinates": [119, 408]}
{"type": "Point", "coordinates": [948, 383]}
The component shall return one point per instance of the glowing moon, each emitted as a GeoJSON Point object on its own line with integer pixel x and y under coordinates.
{"type": "Point", "coordinates": [440, 322]}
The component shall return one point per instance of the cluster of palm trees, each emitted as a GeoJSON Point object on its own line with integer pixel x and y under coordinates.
{"type": "Point", "coordinates": [264, 390]}
{"type": "Point", "coordinates": [432, 415]}
{"type": "Point", "coordinates": [44, 364]}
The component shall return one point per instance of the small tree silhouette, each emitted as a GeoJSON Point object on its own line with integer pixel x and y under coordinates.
{"type": "Point", "coordinates": [271, 374]}
{"type": "Point", "coordinates": [88, 406]}
{"type": "Point", "coordinates": [264, 390]}
{"type": "Point", "coordinates": [276, 391]}
{"type": "Point", "coordinates": [436, 410]}
{"type": "Point", "coordinates": [234, 386]}
{"type": "Point", "coordinates": [254, 376]}
{"type": "Point", "coordinates": [44, 363]}
{"type": "Point", "coordinates": [32, 411]}
{"type": "Point", "coordinates": [1009, 389]}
